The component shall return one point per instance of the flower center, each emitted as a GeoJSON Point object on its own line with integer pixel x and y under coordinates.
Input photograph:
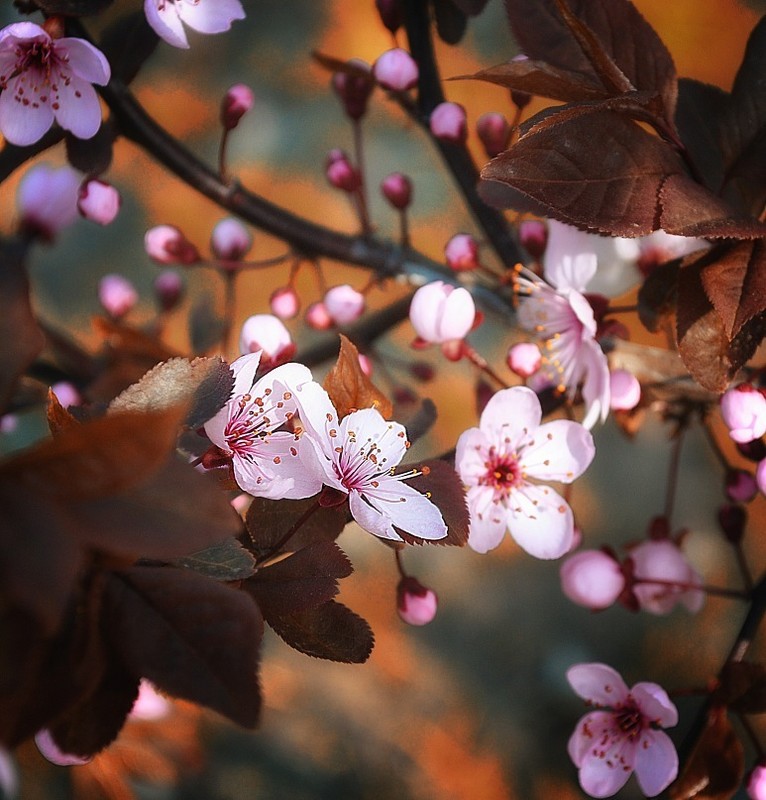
{"type": "Point", "coordinates": [253, 419]}
{"type": "Point", "coordinates": [629, 720]}
{"type": "Point", "coordinates": [503, 472]}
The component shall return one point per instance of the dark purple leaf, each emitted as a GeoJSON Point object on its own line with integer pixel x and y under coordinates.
{"type": "Point", "coordinates": [658, 294]}
{"type": "Point", "coordinates": [193, 637]}
{"type": "Point", "coordinates": [331, 631]}
{"type": "Point", "coordinates": [226, 561]}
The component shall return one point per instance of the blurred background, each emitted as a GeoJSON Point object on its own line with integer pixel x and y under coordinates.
{"type": "Point", "coordinates": [474, 706]}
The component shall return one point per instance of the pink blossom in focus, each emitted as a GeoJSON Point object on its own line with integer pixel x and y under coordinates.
{"type": "Point", "coordinates": [204, 16]}
{"type": "Point", "coordinates": [344, 304]}
{"type": "Point", "coordinates": [166, 244]}
{"type": "Point", "coordinates": [250, 429]}
{"type": "Point", "coordinates": [441, 313]}
{"type": "Point", "coordinates": [267, 334]}
{"type": "Point", "coordinates": [67, 394]}
{"type": "Point", "coordinates": [284, 302]}
{"type": "Point", "coordinates": [317, 316]}
{"type": "Point", "coordinates": [524, 359]}
{"type": "Point", "coordinates": [231, 240]}
{"type": "Point", "coordinates": [462, 252]}
{"type": "Point", "coordinates": [624, 390]}
{"type": "Point", "coordinates": [42, 79]}
{"type": "Point", "coordinates": [415, 603]}
{"type": "Point", "coordinates": [117, 295]}
{"type": "Point", "coordinates": [357, 457]}
{"type": "Point", "coordinates": [744, 411]}
{"type": "Point", "coordinates": [168, 289]}
{"type": "Point", "coordinates": [47, 200]}
{"type": "Point", "coordinates": [98, 202]}
{"type": "Point", "coordinates": [662, 559]}
{"type": "Point", "coordinates": [396, 70]}
{"type": "Point", "coordinates": [237, 101]}
{"type": "Point", "coordinates": [54, 754]}
{"type": "Point", "coordinates": [494, 132]}
{"type": "Point", "coordinates": [756, 783]}
{"type": "Point", "coordinates": [623, 734]}
{"type": "Point", "coordinates": [496, 462]}
{"type": "Point", "coordinates": [448, 122]}
{"type": "Point", "coordinates": [592, 578]}
{"type": "Point", "coordinates": [397, 189]}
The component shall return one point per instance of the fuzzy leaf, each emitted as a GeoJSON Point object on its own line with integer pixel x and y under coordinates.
{"type": "Point", "coordinates": [600, 172]}
{"type": "Point", "coordinates": [349, 388]}
{"type": "Point", "coordinates": [226, 561]}
{"type": "Point", "coordinates": [331, 631]}
{"type": "Point", "coordinates": [193, 637]}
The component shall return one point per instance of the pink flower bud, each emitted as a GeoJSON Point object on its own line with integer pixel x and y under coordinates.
{"type": "Point", "coordinates": [663, 560]}
{"type": "Point", "coordinates": [524, 359]}
{"type": "Point", "coordinates": [741, 486]}
{"type": "Point", "coordinates": [756, 783]}
{"type": "Point", "coordinates": [760, 475]}
{"type": "Point", "coordinates": [149, 705]}
{"type": "Point", "coordinates": [422, 371]}
{"type": "Point", "coordinates": [448, 122]}
{"type": "Point", "coordinates": [231, 240]}
{"type": "Point", "coordinates": [396, 70]}
{"type": "Point", "coordinates": [744, 411]}
{"type": "Point", "coordinates": [440, 312]}
{"type": "Point", "coordinates": [317, 317]}
{"type": "Point", "coordinates": [54, 754]}
{"type": "Point", "coordinates": [341, 173]}
{"type": "Point", "coordinates": [397, 189]}
{"type": "Point", "coordinates": [284, 302]}
{"type": "Point", "coordinates": [47, 200]}
{"type": "Point", "coordinates": [390, 14]}
{"type": "Point", "coordinates": [98, 201]}
{"type": "Point", "coordinates": [462, 252]}
{"type": "Point", "coordinates": [533, 235]}
{"type": "Point", "coordinates": [67, 394]}
{"type": "Point", "coordinates": [165, 244]}
{"type": "Point", "coordinates": [625, 390]}
{"type": "Point", "coordinates": [267, 333]}
{"type": "Point", "coordinates": [354, 88]}
{"type": "Point", "coordinates": [235, 104]}
{"type": "Point", "coordinates": [415, 603]}
{"type": "Point", "coordinates": [494, 132]}
{"type": "Point", "coordinates": [344, 304]}
{"type": "Point", "coordinates": [168, 289]}
{"type": "Point", "coordinates": [592, 578]}
{"type": "Point", "coordinates": [117, 295]}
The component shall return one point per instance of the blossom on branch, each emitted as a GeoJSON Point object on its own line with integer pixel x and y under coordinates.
{"type": "Point", "coordinates": [44, 79]}
{"type": "Point", "coordinates": [623, 734]}
{"type": "Point", "coordinates": [357, 457]}
{"type": "Point", "coordinates": [495, 462]}
{"type": "Point", "coordinates": [441, 313]}
{"type": "Point", "coordinates": [168, 17]}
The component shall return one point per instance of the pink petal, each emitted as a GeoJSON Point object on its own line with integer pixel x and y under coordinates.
{"type": "Point", "coordinates": [390, 437]}
{"type": "Point", "coordinates": [470, 456]}
{"type": "Point", "coordinates": [540, 521]}
{"type": "Point", "coordinates": [165, 21]}
{"type": "Point", "coordinates": [596, 391]}
{"type": "Point", "coordinates": [22, 31]}
{"type": "Point", "coordinates": [571, 271]}
{"type": "Point", "coordinates": [511, 414]}
{"type": "Point", "coordinates": [408, 509]}
{"type": "Point", "coordinates": [562, 451]}
{"type": "Point", "coordinates": [605, 776]}
{"type": "Point", "coordinates": [655, 704]}
{"type": "Point", "coordinates": [656, 762]}
{"type": "Point", "coordinates": [318, 416]}
{"type": "Point", "coordinates": [583, 310]}
{"type": "Point", "coordinates": [488, 520]}
{"type": "Point", "coordinates": [79, 110]}
{"type": "Point", "coordinates": [210, 16]}
{"type": "Point", "coordinates": [85, 60]}
{"type": "Point", "coordinates": [244, 369]}
{"type": "Point", "coordinates": [598, 684]}
{"type": "Point", "coordinates": [370, 518]}
{"type": "Point", "coordinates": [587, 733]}
{"type": "Point", "coordinates": [23, 125]}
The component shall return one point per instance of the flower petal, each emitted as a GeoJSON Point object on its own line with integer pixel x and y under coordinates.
{"type": "Point", "coordinates": [489, 520]}
{"type": "Point", "coordinates": [561, 451]}
{"type": "Point", "coordinates": [655, 704]}
{"type": "Point", "coordinates": [370, 518]}
{"type": "Point", "coordinates": [210, 16]}
{"type": "Point", "coordinates": [360, 428]}
{"type": "Point", "coordinates": [79, 110]}
{"type": "Point", "coordinates": [656, 762]}
{"type": "Point", "coordinates": [596, 390]}
{"type": "Point", "coordinates": [604, 775]}
{"type": "Point", "coordinates": [23, 125]}
{"type": "Point", "coordinates": [540, 521]}
{"type": "Point", "coordinates": [166, 23]}
{"type": "Point", "coordinates": [511, 414]}
{"type": "Point", "coordinates": [572, 271]}
{"type": "Point", "coordinates": [87, 61]}
{"type": "Point", "coordinates": [585, 734]}
{"type": "Point", "coordinates": [408, 509]}
{"type": "Point", "coordinates": [598, 684]}
{"type": "Point", "coordinates": [318, 415]}
{"type": "Point", "coordinates": [244, 369]}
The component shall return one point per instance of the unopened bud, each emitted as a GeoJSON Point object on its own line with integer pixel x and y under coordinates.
{"type": "Point", "coordinates": [165, 244]}
{"type": "Point", "coordinates": [520, 99]}
{"type": "Point", "coordinates": [284, 302]}
{"type": "Point", "coordinates": [462, 252]}
{"type": "Point", "coordinates": [117, 295]}
{"type": "Point", "coordinates": [317, 317]}
{"type": "Point", "coordinates": [756, 783]}
{"type": "Point", "coordinates": [168, 289]}
{"type": "Point", "coordinates": [397, 189]}
{"type": "Point", "coordinates": [760, 475]}
{"type": "Point", "coordinates": [235, 104]}
{"type": "Point", "coordinates": [266, 333]}
{"type": "Point", "coordinates": [230, 241]}
{"type": "Point", "coordinates": [415, 603]}
{"type": "Point", "coordinates": [592, 578]}
{"type": "Point", "coordinates": [344, 304]}
{"type": "Point", "coordinates": [524, 359]}
{"type": "Point", "coordinates": [396, 70]}
{"type": "Point", "coordinates": [341, 173]}
{"type": "Point", "coordinates": [744, 411]}
{"type": "Point", "coordinates": [741, 485]}
{"type": "Point", "coordinates": [98, 202]}
{"type": "Point", "coordinates": [54, 754]}
{"type": "Point", "coordinates": [494, 132]}
{"type": "Point", "coordinates": [732, 520]}
{"type": "Point", "coordinates": [448, 122]}
{"type": "Point", "coordinates": [533, 235]}
{"type": "Point", "coordinates": [67, 394]}
{"type": "Point", "coordinates": [390, 14]}
{"type": "Point", "coordinates": [354, 88]}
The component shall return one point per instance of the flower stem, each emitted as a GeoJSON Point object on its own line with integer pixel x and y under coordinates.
{"type": "Point", "coordinates": [720, 591]}
{"type": "Point", "coordinates": [481, 362]}
{"type": "Point", "coordinates": [364, 216]}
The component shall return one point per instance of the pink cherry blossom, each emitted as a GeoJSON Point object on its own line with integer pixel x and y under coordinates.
{"type": "Point", "coordinates": [44, 79]}
{"type": "Point", "coordinates": [663, 560]}
{"type": "Point", "coordinates": [623, 735]}
{"type": "Point", "coordinates": [524, 359]}
{"type": "Point", "coordinates": [47, 200]}
{"type": "Point", "coordinates": [344, 304]}
{"type": "Point", "coordinates": [743, 409]}
{"type": "Point", "coordinates": [624, 390]}
{"type": "Point", "coordinates": [558, 313]}
{"type": "Point", "coordinates": [267, 334]}
{"type": "Point", "coordinates": [98, 201]}
{"type": "Point", "coordinates": [592, 578]}
{"type": "Point", "coordinates": [357, 456]}
{"type": "Point", "coordinates": [230, 240]}
{"type": "Point", "coordinates": [441, 313]}
{"type": "Point", "coordinates": [396, 70]}
{"type": "Point", "coordinates": [251, 429]}
{"type": "Point", "coordinates": [415, 603]}
{"type": "Point", "coordinates": [448, 122]}
{"type": "Point", "coordinates": [168, 17]}
{"type": "Point", "coordinates": [496, 461]}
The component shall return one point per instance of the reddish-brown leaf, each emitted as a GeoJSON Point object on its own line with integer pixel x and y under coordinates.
{"type": "Point", "coordinates": [742, 687]}
{"type": "Point", "coordinates": [58, 417]}
{"type": "Point", "coordinates": [349, 388]}
{"type": "Point", "coordinates": [192, 637]}
{"type": "Point", "coordinates": [600, 172]}
{"type": "Point", "coordinates": [331, 631]}
{"type": "Point", "coordinates": [658, 294]}
{"type": "Point", "coordinates": [714, 770]}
